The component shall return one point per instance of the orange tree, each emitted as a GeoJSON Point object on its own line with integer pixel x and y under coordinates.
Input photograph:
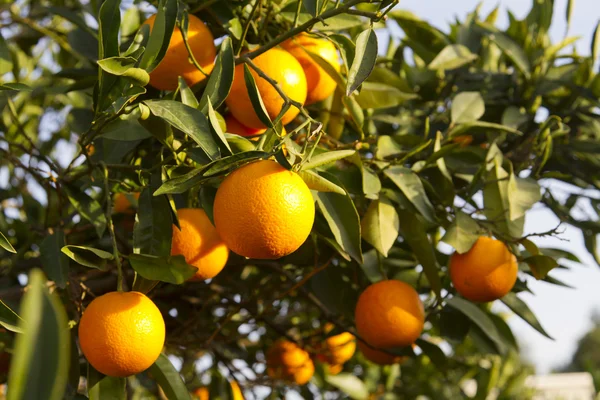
{"type": "Point", "coordinates": [234, 219]}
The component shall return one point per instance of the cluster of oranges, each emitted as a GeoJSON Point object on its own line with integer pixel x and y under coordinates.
{"type": "Point", "coordinates": [264, 211]}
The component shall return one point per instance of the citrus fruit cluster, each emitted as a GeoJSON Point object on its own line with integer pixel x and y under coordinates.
{"type": "Point", "coordinates": [264, 211]}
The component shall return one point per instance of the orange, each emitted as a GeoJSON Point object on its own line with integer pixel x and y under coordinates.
{"type": "Point", "coordinates": [378, 356]}
{"type": "Point", "coordinates": [121, 333]}
{"type": "Point", "coordinates": [177, 62]}
{"type": "Point", "coordinates": [202, 393]}
{"type": "Point", "coordinates": [199, 242]}
{"type": "Point", "coordinates": [236, 127]}
{"type": "Point", "coordinates": [463, 140]}
{"type": "Point", "coordinates": [263, 211]}
{"type": "Point", "coordinates": [287, 361]}
{"type": "Point", "coordinates": [338, 349]}
{"type": "Point", "coordinates": [320, 84]}
{"type": "Point", "coordinates": [486, 272]}
{"type": "Point", "coordinates": [334, 369]}
{"type": "Point", "coordinates": [123, 204]}
{"type": "Point", "coordinates": [280, 66]}
{"type": "Point", "coordinates": [389, 314]}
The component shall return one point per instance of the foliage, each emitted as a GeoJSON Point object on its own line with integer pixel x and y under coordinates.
{"type": "Point", "coordinates": [433, 137]}
{"type": "Point", "coordinates": [586, 357]}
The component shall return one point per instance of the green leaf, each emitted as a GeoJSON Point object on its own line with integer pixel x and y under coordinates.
{"type": "Point", "coordinates": [349, 384]}
{"type": "Point", "coordinates": [540, 265]}
{"type": "Point", "coordinates": [412, 187]}
{"type": "Point", "coordinates": [131, 22]}
{"type": "Point", "coordinates": [170, 269]}
{"type": "Point", "coordinates": [467, 107]}
{"type": "Point", "coordinates": [314, 181]}
{"type": "Point", "coordinates": [435, 354]}
{"type": "Point", "coordinates": [56, 265]}
{"type": "Point", "coordinates": [372, 266]}
{"type": "Point", "coordinates": [183, 183]}
{"type": "Point", "coordinates": [451, 57]}
{"type": "Point", "coordinates": [89, 208]}
{"type": "Point", "coordinates": [596, 42]}
{"type": "Point", "coordinates": [234, 26]}
{"type": "Point", "coordinates": [569, 12]}
{"type": "Point", "coordinates": [88, 256]}
{"type": "Point", "coordinates": [101, 387]}
{"type": "Point", "coordinates": [511, 49]}
{"type": "Point", "coordinates": [124, 66]}
{"type": "Point", "coordinates": [160, 37]}
{"type": "Point", "coordinates": [255, 98]}
{"type": "Point", "coordinates": [346, 47]}
{"type": "Point", "coordinates": [326, 158]}
{"type": "Point", "coordinates": [15, 86]}
{"type": "Point", "coordinates": [380, 95]}
{"type": "Point", "coordinates": [9, 319]}
{"type": "Point", "coordinates": [380, 225]}
{"type": "Point", "coordinates": [414, 233]}
{"type": "Point", "coordinates": [520, 308]}
{"type": "Point", "coordinates": [312, 6]}
{"type": "Point", "coordinates": [207, 201]}
{"type": "Point", "coordinates": [523, 193]}
{"type": "Point", "coordinates": [216, 127]}
{"type": "Point", "coordinates": [221, 77]}
{"type": "Point", "coordinates": [188, 120]}
{"type": "Point", "coordinates": [6, 63]}
{"type": "Point", "coordinates": [341, 216]}
{"type": "Point", "coordinates": [40, 362]}
{"type": "Point", "coordinates": [364, 60]}
{"type": "Point", "coordinates": [127, 129]}
{"type": "Point", "coordinates": [463, 233]}
{"type": "Point", "coordinates": [514, 117]}
{"type": "Point", "coordinates": [5, 244]}
{"type": "Point", "coordinates": [153, 228]}
{"type": "Point", "coordinates": [479, 318]}
{"type": "Point", "coordinates": [187, 96]}
{"type": "Point", "coordinates": [481, 127]}
{"type": "Point", "coordinates": [169, 379]}
{"type": "Point", "coordinates": [496, 201]}
{"type": "Point", "coordinates": [108, 26]}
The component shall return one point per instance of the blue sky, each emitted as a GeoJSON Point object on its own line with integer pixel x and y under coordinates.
{"type": "Point", "coordinates": [564, 313]}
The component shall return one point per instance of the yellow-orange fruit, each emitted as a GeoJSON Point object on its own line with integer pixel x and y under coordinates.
{"type": "Point", "coordinates": [199, 242]}
{"type": "Point", "coordinates": [287, 361]}
{"type": "Point", "coordinates": [121, 333]}
{"type": "Point", "coordinates": [487, 272]}
{"type": "Point", "coordinates": [320, 84]}
{"type": "Point", "coordinates": [378, 356]}
{"type": "Point", "coordinates": [338, 349]}
{"type": "Point", "coordinates": [122, 203]}
{"type": "Point", "coordinates": [202, 393]}
{"type": "Point", "coordinates": [236, 127]}
{"type": "Point", "coordinates": [177, 62]}
{"type": "Point", "coordinates": [463, 140]}
{"type": "Point", "coordinates": [263, 211]}
{"type": "Point", "coordinates": [280, 66]}
{"type": "Point", "coordinates": [389, 314]}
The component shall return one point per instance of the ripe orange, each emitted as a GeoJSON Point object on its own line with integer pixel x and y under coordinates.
{"type": "Point", "coordinates": [334, 369]}
{"type": "Point", "coordinates": [176, 61]}
{"type": "Point", "coordinates": [122, 203]}
{"type": "Point", "coordinates": [319, 84]}
{"type": "Point", "coordinates": [199, 242]}
{"type": "Point", "coordinates": [339, 348]}
{"type": "Point", "coordinates": [463, 140]}
{"type": "Point", "coordinates": [236, 127]}
{"type": "Point", "coordinates": [263, 211]}
{"type": "Point", "coordinates": [389, 314]}
{"type": "Point", "coordinates": [287, 361]}
{"type": "Point", "coordinates": [378, 356]}
{"type": "Point", "coordinates": [279, 65]}
{"type": "Point", "coordinates": [202, 393]}
{"type": "Point", "coordinates": [121, 333]}
{"type": "Point", "coordinates": [487, 272]}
